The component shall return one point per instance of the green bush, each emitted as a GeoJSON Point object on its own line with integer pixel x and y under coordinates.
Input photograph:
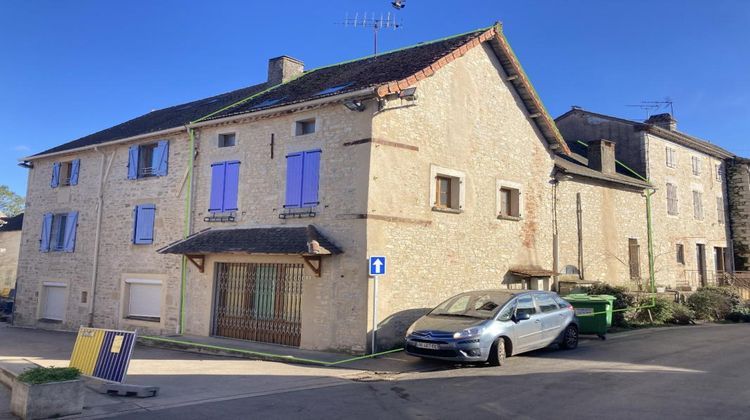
{"type": "Point", "coordinates": [714, 303]}
{"type": "Point", "coordinates": [662, 310]}
{"type": "Point", "coordinates": [43, 375]}
{"type": "Point", "coordinates": [682, 315]}
{"type": "Point", "coordinates": [622, 300]}
{"type": "Point", "coordinates": [741, 314]}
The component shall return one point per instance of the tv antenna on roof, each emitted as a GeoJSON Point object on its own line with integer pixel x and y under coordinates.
{"type": "Point", "coordinates": [374, 22]}
{"type": "Point", "coordinates": [649, 106]}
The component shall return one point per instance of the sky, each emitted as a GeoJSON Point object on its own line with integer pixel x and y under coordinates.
{"type": "Point", "coordinates": [71, 68]}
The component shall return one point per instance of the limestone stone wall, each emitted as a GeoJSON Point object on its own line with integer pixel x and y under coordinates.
{"type": "Point", "coordinates": [611, 216]}
{"type": "Point", "coordinates": [334, 305]}
{"type": "Point", "coordinates": [466, 119]}
{"type": "Point", "coordinates": [10, 245]}
{"type": "Point", "coordinates": [118, 257]}
{"type": "Point", "coordinates": [738, 175]}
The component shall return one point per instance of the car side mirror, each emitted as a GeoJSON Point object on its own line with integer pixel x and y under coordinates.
{"type": "Point", "coordinates": [523, 316]}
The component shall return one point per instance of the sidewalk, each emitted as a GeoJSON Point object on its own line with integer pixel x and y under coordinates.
{"type": "Point", "coordinates": [187, 378]}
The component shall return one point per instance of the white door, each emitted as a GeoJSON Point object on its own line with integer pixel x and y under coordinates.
{"type": "Point", "coordinates": [54, 302]}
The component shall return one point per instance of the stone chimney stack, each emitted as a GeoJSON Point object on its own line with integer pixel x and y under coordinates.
{"type": "Point", "coordinates": [601, 155]}
{"type": "Point", "coordinates": [664, 121]}
{"type": "Point", "coordinates": [284, 68]}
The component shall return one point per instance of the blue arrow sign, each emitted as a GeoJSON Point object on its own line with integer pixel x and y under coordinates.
{"type": "Point", "coordinates": [377, 266]}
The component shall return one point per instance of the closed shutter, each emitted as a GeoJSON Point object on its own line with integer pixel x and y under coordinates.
{"type": "Point", "coordinates": [46, 233]}
{"type": "Point", "coordinates": [231, 184]}
{"type": "Point", "coordinates": [55, 181]}
{"type": "Point", "coordinates": [217, 187]}
{"type": "Point", "coordinates": [698, 205]}
{"type": "Point", "coordinates": [143, 224]}
{"type": "Point", "coordinates": [634, 258]}
{"type": "Point", "coordinates": [161, 158]}
{"type": "Point", "coordinates": [133, 162]}
{"type": "Point", "coordinates": [69, 241]}
{"type": "Point", "coordinates": [720, 209]}
{"type": "Point", "coordinates": [144, 298]}
{"type": "Point", "coordinates": [75, 166]}
{"type": "Point", "coordinates": [54, 302]}
{"type": "Point", "coordinates": [310, 178]}
{"type": "Point", "coordinates": [294, 167]}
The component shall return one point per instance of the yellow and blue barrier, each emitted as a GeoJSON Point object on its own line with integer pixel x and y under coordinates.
{"type": "Point", "coordinates": [103, 353]}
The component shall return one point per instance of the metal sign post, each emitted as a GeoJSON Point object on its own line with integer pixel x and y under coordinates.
{"type": "Point", "coordinates": [377, 268]}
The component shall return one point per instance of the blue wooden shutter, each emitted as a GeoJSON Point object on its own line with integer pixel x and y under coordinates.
{"type": "Point", "coordinates": [310, 178]}
{"type": "Point", "coordinates": [74, 167]}
{"type": "Point", "coordinates": [55, 182]}
{"type": "Point", "coordinates": [133, 162]}
{"type": "Point", "coordinates": [231, 184]}
{"type": "Point", "coordinates": [46, 232]}
{"type": "Point", "coordinates": [69, 244]}
{"type": "Point", "coordinates": [143, 230]}
{"type": "Point", "coordinates": [294, 180]}
{"type": "Point", "coordinates": [161, 158]}
{"type": "Point", "coordinates": [217, 187]}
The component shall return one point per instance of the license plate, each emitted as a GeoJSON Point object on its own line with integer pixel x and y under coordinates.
{"type": "Point", "coordinates": [584, 311]}
{"type": "Point", "coordinates": [430, 346]}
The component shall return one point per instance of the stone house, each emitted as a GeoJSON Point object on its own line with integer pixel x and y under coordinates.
{"type": "Point", "coordinates": [251, 214]}
{"type": "Point", "coordinates": [10, 244]}
{"type": "Point", "coordinates": [692, 245]}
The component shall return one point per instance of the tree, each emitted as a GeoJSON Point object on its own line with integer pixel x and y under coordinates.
{"type": "Point", "coordinates": [11, 203]}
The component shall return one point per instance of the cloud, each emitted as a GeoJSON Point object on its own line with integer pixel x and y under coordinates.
{"type": "Point", "coordinates": [22, 148]}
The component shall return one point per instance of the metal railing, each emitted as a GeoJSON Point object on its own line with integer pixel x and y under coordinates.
{"type": "Point", "coordinates": [695, 279]}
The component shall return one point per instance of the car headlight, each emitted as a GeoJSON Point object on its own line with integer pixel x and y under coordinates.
{"type": "Point", "coordinates": [469, 332]}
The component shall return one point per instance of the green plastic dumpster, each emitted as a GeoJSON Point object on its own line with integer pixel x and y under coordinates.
{"type": "Point", "coordinates": [594, 312]}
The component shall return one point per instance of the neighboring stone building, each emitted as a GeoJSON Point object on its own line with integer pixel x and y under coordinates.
{"type": "Point", "coordinates": [738, 175]}
{"type": "Point", "coordinates": [10, 244]}
{"type": "Point", "coordinates": [691, 235]}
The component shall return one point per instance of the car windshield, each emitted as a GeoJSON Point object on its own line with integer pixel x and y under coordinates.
{"type": "Point", "coordinates": [481, 304]}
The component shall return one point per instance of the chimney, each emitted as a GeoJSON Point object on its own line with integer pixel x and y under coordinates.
{"type": "Point", "coordinates": [601, 155]}
{"type": "Point", "coordinates": [284, 68]}
{"type": "Point", "coordinates": [664, 121]}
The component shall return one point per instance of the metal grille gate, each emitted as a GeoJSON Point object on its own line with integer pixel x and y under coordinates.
{"type": "Point", "coordinates": [259, 302]}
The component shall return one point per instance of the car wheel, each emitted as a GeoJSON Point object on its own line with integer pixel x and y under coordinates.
{"type": "Point", "coordinates": [570, 338]}
{"type": "Point", "coordinates": [497, 352]}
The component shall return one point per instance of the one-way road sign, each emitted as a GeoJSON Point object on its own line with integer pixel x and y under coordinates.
{"type": "Point", "coordinates": [377, 266]}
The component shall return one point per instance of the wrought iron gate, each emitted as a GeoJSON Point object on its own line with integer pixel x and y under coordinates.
{"type": "Point", "coordinates": [259, 302]}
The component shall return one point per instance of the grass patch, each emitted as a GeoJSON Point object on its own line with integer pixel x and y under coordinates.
{"type": "Point", "coordinates": [43, 375]}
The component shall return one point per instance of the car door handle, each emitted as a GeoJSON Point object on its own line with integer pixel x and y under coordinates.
{"type": "Point", "coordinates": [537, 321]}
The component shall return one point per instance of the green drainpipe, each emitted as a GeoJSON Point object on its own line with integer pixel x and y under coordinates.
{"type": "Point", "coordinates": [186, 230]}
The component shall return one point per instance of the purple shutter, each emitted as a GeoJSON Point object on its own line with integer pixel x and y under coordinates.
{"type": "Point", "coordinates": [161, 158]}
{"type": "Point", "coordinates": [46, 232]}
{"type": "Point", "coordinates": [133, 162]}
{"type": "Point", "coordinates": [217, 187]}
{"type": "Point", "coordinates": [69, 242]}
{"type": "Point", "coordinates": [55, 182]}
{"type": "Point", "coordinates": [231, 184]}
{"type": "Point", "coordinates": [310, 178]}
{"type": "Point", "coordinates": [134, 236]}
{"type": "Point", "coordinates": [144, 224]}
{"type": "Point", "coordinates": [75, 166]}
{"type": "Point", "coordinates": [294, 180]}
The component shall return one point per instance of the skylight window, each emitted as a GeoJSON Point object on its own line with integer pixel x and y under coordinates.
{"type": "Point", "coordinates": [268, 102]}
{"type": "Point", "coordinates": [334, 89]}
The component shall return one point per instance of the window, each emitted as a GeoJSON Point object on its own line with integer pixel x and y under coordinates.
{"type": "Point", "coordinates": [507, 312]}
{"type": "Point", "coordinates": [225, 178]}
{"type": "Point", "coordinates": [671, 161]}
{"type": "Point", "coordinates": [144, 299]}
{"type": "Point", "coordinates": [546, 303]}
{"type": "Point", "coordinates": [680, 253]}
{"type": "Point", "coordinates": [53, 307]}
{"type": "Point", "coordinates": [148, 160]}
{"type": "Point", "coordinates": [227, 140]}
{"type": "Point", "coordinates": [143, 224]}
{"type": "Point", "coordinates": [446, 189]}
{"type": "Point", "coordinates": [562, 303]}
{"type": "Point", "coordinates": [65, 173]}
{"type": "Point", "coordinates": [508, 200]}
{"type": "Point", "coordinates": [698, 205]}
{"type": "Point", "coordinates": [720, 210]}
{"type": "Point", "coordinates": [304, 127]}
{"type": "Point", "coordinates": [525, 306]}
{"type": "Point", "coordinates": [672, 203]}
{"type": "Point", "coordinates": [720, 256]}
{"type": "Point", "coordinates": [696, 165]}
{"type": "Point", "coordinates": [302, 179]}
{"type": "Point", "coordinates": [58, 232]}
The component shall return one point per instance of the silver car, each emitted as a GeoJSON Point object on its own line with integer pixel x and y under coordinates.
{"type": "Point", "coordinates": [490, 325]}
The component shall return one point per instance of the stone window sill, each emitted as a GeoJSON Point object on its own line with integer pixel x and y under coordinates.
{"type": "Point", "coordinates": [513, 218]}
{"type": "Point", "coordinates": [50, 321]}
{"type": "Point", "coordinates": [447, 210]}
{"type": "Point", "coordinates": [144, 318]}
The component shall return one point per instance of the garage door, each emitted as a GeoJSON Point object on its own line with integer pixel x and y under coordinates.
{"type": "Point", "coordinates": [54, 301]}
